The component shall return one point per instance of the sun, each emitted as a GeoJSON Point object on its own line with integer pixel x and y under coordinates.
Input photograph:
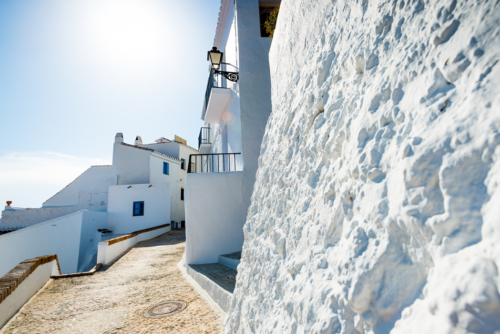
{"type": "Point", "coordinates": [125, 33]}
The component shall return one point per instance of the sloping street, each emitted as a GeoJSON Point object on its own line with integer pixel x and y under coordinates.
{"type": "Point", "coordinates": [114, 299]}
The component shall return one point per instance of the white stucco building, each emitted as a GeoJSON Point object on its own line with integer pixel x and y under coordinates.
{"type": "Point", "coordinates": [220, 182]}
{"type": "Point", "coordinates": [151, 174]}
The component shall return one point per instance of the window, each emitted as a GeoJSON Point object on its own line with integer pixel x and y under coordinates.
{"type": "Point", "coordinates": [138, 208]}
{"type": "Point", "coordinates": [183, 164]}
{"type": "Point", "coordinates": [165, 168]}
{"type": "Point", "coordinates": [264, 15]}
{"type": "Point", "coordinates": [182, 194]}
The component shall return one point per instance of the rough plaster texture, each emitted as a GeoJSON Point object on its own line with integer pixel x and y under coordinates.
{"type": "Point", "coordinates": [375, 208]}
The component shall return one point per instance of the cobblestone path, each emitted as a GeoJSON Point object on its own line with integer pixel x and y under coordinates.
{"type": "Point", "coordinates": [113, 299]}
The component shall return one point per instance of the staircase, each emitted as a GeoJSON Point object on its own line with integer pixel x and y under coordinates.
{"type": "Point", "coordinates": [230, 260]}
{"type": "Point", "coordinates": [217, 279]}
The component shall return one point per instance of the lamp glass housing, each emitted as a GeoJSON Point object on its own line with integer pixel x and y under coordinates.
{"type": "Point", "coordinates": [215, 57]}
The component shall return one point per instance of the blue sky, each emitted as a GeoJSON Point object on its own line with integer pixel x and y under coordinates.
{"type": "Point", "coordinates": [73, 73]}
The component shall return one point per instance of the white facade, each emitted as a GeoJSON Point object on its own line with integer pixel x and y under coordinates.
{"type": "Point", "coordinates": [236, 114]}
{"type": "Point", "coordinates": [88, 191]}
{"type": "Point", "coordinates": [132, 164]}
{"type": "Point", "coordinates": [156, 200]}
{"type": "Point", "coordinates": [182, 152]}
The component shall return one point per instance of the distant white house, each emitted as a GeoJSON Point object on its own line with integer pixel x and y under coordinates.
{"type": "Point", "coordinates": [235, 111]}
{"type": "Point", "coordinates": [144, 187]}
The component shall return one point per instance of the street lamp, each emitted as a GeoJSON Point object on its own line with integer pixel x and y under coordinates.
{"type": "Point", "coordinates": [215, 57]}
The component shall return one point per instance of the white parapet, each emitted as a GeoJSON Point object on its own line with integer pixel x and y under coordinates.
{"type": "Point", "coordinates": [214, 216]}
{"type": "Point", "coordinates": [71, 237]}
{"type": "Point", "coordinates": [110, 250]}
{"type": "Point", "coordinates": [25, 289]}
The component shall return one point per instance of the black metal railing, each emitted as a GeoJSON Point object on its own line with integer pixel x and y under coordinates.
{"type": "Point", "coordinates": [217, 81]}
{"type": "Point", "coordinates": [213, 163]}
{"type": "Point", "coordinates": [204, 137]}
{"type": "Point", "coordinates": [210, 85]}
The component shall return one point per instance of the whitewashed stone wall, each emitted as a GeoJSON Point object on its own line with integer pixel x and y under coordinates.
{"type": "Point", "coordinates": [376, 206]}
{"type": "Point", "coordinates": [16, 219]}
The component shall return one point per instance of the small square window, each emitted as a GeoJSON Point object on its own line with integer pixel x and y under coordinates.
{"type": "Point", "coordinates": [183, 164]}
{"type": "Point", "coordinates": [182, 194]}
{"type": "Point", "coordinates": [165, 168]}
{"type": "Point", "coordinates": [138, 209]}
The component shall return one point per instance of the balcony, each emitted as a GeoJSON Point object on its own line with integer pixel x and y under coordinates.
{"type": "Point", "coordinates": [204, 140]}
{"type": "Point", "coordinates": [214, 163]}
{"type": "Point", "coordinates": [217, 97]}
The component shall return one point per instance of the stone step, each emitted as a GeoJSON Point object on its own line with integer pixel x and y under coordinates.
{"type": "Point", "coordinates": [217, 280]}
{"type": "Point", "coordinates": [230, 260]}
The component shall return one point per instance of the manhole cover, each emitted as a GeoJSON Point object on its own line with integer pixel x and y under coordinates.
{"type": "Point", "coordinates": [164, 309]}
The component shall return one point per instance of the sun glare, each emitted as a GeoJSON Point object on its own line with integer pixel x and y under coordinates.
{"type": "Point", "coordinates": [126, 33]}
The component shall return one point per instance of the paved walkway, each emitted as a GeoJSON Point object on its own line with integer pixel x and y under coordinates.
{"type": "Point", "coordinates": [113, 299]}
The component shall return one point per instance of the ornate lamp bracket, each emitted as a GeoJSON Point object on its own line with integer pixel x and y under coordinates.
{"type": "Point", "coordinates": [231, 76]}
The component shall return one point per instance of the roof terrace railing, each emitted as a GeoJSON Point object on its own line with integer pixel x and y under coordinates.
{"type": "Point", "coordinates": [213, 163]}
{"type": "Point", "coordinates": [204, 137]}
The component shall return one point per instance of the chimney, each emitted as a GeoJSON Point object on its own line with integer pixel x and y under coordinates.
{"type": "Point", "coordinates": [138, 141]}
{"type": "Point", "coordinates": [119, 137]}
{"type": "Point", "coordinates": [162, 140]}
{"type": "Point", "coordinates": [180, 140]}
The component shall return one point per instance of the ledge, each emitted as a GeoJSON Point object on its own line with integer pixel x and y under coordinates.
{"type": "Point", "coordinates": [219, 99]}
{"type": "Point", "coordinates": [133, 234]}
{"type": "Point", "coordinates": [13, 279]}
{"type": "Point", "coordinates": [85, 273]}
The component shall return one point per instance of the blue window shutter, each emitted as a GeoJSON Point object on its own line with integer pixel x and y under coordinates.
{"type": "Point", "coordinates": [165, 168]}
{"type": "Point", "coordinates": [138, 209]}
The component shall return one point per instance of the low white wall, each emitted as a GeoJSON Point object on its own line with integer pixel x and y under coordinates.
{"type": "Point", "coordinates": [220, 296]}
{"type": "Point", "coordinates": [156, 207]}
{"type": "Point", "coordinates": [108, 253]}
{"type": "Point", "coordinates": [61, 236]}
{"type": "Point", "coordinates": [28, 287]}
{"type": "Point", "coordinates": [214, 216]}
{"type": "Point", "coordinates": [15, 219]}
